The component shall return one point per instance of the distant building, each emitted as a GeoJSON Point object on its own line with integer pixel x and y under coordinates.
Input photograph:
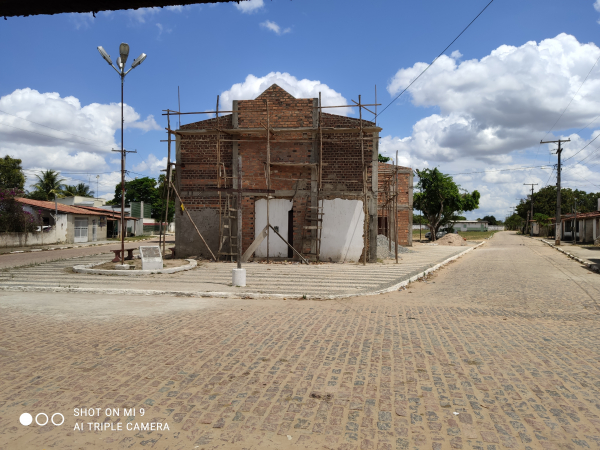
{"type": "Point", "coordinates": [78, 200]}
{"type": "Point", "coordinates": [471, 225]}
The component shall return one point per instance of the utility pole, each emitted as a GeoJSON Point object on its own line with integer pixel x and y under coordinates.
{"type": "Point", "coordinates": [575, 224]}
{"type": "Point", "coordinates": [557, 231]}
{"type": "Point", "coordinates": [531, 215]}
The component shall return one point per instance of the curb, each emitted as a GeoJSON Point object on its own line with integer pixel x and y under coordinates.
{"type": "Point", "coordinates": [87, 268]}
{"type": "Point", "coordinates": [235, 295]}
{"type": "Point", "coordinates": [593, 267]}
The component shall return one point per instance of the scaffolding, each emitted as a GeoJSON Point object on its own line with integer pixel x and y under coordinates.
{"type": "Point", "coordinates": [312, 230]}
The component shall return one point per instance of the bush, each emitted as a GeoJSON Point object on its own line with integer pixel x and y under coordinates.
{"type": "Point", "coordinates": [12, 217]}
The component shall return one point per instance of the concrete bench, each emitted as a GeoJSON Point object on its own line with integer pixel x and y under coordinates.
{"type": "Point", "coordinates": [118, 254]}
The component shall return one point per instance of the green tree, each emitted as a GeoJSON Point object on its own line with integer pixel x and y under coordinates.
{"type": "Point", "coordinates": [440, 199]}
{"type": "Point", "coordinates": [81, 189]}
{"type": "Point", "coordinates": [383, 159]}
{"type": "Point", "coordinates": [491, 220]}
{"type": "Point", "coordinates": [11, 174]}
{"type": "Point", "coordinates": [148, 191]}
{"type": "Point", "coordinates": [419, 219]}
{"type": "Point", "coordinates": [514, 222]}
{"type": "Point", "coordinates": [48, 186]}
{"type": "Point", "coordinates": [544, 201]}
{"type": "Point", "coordinates": [158, 207]}
{"type": "Point", "coordinates": [138, 190]}
{"type": "Point", "coordinates": [12, 216]}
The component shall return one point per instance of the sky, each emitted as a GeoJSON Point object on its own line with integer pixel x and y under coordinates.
{"type": "Point", "coordinates": [521, 73]}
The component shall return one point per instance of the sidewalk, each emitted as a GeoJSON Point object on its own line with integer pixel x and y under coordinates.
{"type": "Point", "coordinates": [586, 254]}
{"type": "Point", "coordinates": [213, 279]}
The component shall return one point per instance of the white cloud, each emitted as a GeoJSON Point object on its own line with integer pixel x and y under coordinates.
{"type": "Point", "coordinates": [81, 20]}
{"type": "Point", "coordinates": [152, 165]}
{"type": "Point", "coordinates": [456, 54]}
{"type": "Point", "coordinates": [503, 102]}
{"type": "Point", "coordinates": [249, 6]}
{"type": "Point", "coordinates": [86, 139]}
{"type": "Point", "coordinates": [140, 15]}
{"type": "Point", "coordinates": [161, 30]}
{"type": "Point", "coordinates": [597, 5]}
{"type": "Point", "coordinates": [274, 27]}
{"type": "Point", "coordinates": [253, 86]}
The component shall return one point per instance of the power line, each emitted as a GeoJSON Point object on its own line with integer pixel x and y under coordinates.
{"type": "Point", "coordinates": [598, 135]}
{"type": "Point", "coordinates": [572, 98]}
{"type": "Point", "coordinates": [437, 57]}
{"type": "Point", "coordinates": [501, 170]}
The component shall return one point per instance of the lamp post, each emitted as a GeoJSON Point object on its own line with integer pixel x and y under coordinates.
{"type": "Point", "coordinates": [123, 54]}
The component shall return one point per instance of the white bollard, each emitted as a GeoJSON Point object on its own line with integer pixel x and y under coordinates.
{"type": "Point", "coordinates": [239, 277]}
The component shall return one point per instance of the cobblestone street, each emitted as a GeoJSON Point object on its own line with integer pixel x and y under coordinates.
{"type": "Point", "coordinates": [499, 349]}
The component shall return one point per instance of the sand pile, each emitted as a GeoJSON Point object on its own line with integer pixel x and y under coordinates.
{"type": "Point", "coordinates": [451, 239]}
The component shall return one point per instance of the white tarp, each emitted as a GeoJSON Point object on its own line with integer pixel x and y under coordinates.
{"type": "Point", "coordinates": [342, 233]}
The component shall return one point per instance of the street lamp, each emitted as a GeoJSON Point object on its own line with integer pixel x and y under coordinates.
{"type": "Point", "coordinates": [123, 54]}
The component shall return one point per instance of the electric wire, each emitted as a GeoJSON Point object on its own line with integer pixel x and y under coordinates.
{"type": "Point", "coordinates": [572, 98]}
{"type": "Point", "coordinates": [437, 57]}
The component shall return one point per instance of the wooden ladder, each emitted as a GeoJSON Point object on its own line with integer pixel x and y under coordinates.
{"type": "Point", "coordinates": [311, 231]}
{"type": "Point", "coordinates": [228, 219]}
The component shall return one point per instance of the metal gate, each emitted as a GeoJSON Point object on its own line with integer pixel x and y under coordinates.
{"type": "Point", "coordinates": [81, 230]}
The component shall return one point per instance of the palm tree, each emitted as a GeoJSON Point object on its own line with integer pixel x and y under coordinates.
{"type": "Point", "coordinates": [81, 189]}
{"type": "Point", "coordinates": [49, 185]}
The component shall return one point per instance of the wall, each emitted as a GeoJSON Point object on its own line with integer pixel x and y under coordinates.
{"type": "Point", "coordinates": [386, 173]}
{"type": "Point", "coordinates": [187, 241]}
{"type": "Point", "coordinates": [54, 235]}
{"type": "Point", "coordinates": [342, 233]}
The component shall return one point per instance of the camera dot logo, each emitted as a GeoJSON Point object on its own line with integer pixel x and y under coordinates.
{"type": "Point", "coordinates": [42, 419]}
{"type": "Point", "coordinates": [26, 419]}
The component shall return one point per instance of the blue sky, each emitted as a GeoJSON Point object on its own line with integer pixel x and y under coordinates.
{"type": "Point", "coordinates": [484, 106]}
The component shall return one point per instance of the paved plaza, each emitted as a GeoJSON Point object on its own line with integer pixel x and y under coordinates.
{"type": "Point", "coordinates": [209, 278]}
{"type": "Point", "coordinates": [498, 349]}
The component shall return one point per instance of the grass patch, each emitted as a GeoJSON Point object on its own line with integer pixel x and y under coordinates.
{"type": "Point", "coordinates": [477, 235]}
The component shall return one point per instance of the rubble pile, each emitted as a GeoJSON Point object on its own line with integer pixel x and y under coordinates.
{"type": "Point", "coordinates": [383, 248]}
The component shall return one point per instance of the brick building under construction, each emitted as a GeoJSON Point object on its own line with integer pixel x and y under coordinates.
{"type": "Point", "coordinates": [318, 169]}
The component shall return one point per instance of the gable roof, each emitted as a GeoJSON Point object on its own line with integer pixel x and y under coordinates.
{"type": "Point", "coordinates": [107, 212]}
{"type": "Point", "coordinates": [84, 210]}
{"type": "Point", "coordinates": [275, 91]}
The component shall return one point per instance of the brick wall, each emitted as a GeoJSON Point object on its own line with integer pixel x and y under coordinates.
{"type": "Point", "coordinates": [342, 169]}
{"type": "Point", "coordinates": [386, 173]}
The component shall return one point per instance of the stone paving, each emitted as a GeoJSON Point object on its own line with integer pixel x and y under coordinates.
{"type": "Point", "coordinates": [294, 280]}
{"type": "Point", "coordinates": [501, 349]}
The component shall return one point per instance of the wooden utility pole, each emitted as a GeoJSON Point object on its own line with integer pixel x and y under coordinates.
{"type": "Point", "coordinates": [557, 230]}
{"type": "Point", "coordinates": [531, 215]}
{"type": "Point", "coordinates": [396, 207]}
{"type": "Point", "coordinates": [575, 224]}
{"type": "Point", "coordinates": [239, 214]}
